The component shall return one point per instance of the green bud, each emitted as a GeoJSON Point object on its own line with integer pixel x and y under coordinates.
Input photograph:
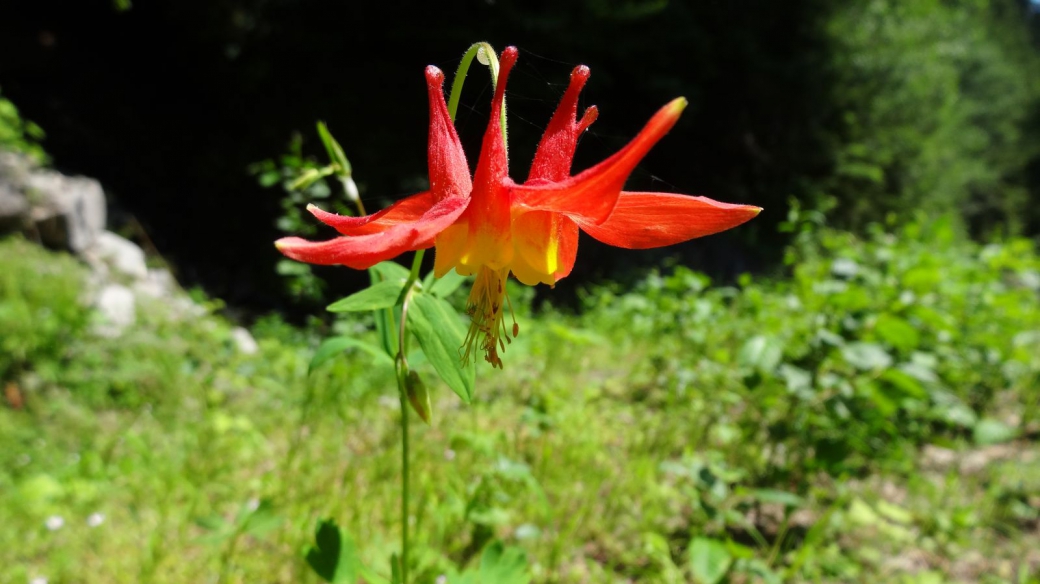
{"type": "Point", "coordinates": [419, 396]}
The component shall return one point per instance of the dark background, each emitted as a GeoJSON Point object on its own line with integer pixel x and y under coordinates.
{"type": "Point", "coordinates": [169, 102]}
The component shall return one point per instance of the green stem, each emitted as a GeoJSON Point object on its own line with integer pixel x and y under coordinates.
{"type": "Point", "coordinates": [403, 394]}
{"type": "Point", "coordinates": [402, 390]}
{"type": "Point", "coordinates": [478, 50]}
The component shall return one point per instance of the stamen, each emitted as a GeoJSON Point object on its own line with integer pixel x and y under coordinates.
{"type": "Point", "coordinates": [487, 327]}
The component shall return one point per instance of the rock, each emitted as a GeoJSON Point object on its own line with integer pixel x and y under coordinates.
{"type": "Point", "coordinates": [244, 341]}
{"type": "Point", "coordinates": [118, 310]}
{"type": "Point", "coordinates": [69, 212]}
{"type": "Point", "coordinates": [14, 209]}
{"type": "Point", "coordinates": [159, 283]}
{"type": "Point", "coordinates": [121, 254]}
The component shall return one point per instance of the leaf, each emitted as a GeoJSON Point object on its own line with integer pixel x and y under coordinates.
{"type": "Point", "coordinates": [377, 296]}
{"type": "Point", "coordinates": [761, 353]}
{"type": "Point", "coordinates": [440, 333]}
{"type": "Point", "coordinates": [503, 565]}
{"type": "Point", "coordinates": [333, 346]}
{"type": "Point", "coordinates": [334, 557]}
{"type": "Point", "coordinates": [390, 271]}
{"type": "Point", "coordinates": [776, 496]}
{"type": "Point", "coordinates": [905, 383]}
{"type": "Point", "coordinates": [709, 560]}
{"type": "Point", "coordinates": [897, 332]}
{"type": "Point", "coordinates": [261, 520]}
{"type": "Point", "coordinates": [866, 356]}
{"type": "Point", "coordinates": [444, 286]}
{"type": "Point", "coordinates": [989, 431]}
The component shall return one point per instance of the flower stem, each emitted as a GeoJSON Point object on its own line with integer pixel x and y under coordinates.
{"type": "Point", "coordinates": [484, 53]}
{"type": "Point", "coordinates": [404, 470]}
{"type": "Point", "coordinates": [402, 390]}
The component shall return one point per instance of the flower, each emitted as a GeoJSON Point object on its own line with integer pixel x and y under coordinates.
{"type": "Point", "coordinates": [491, 226]}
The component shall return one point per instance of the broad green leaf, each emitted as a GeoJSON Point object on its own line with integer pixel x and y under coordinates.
{"type": "Point", "coordinates": [332, 347]}
{"type": "Point", "coordinates": [444, 286]}
{"type": "Point", "coordinates": [334, 556]}
{"type": "Point", "coordinates": [261, 520]}
{"type": "Point", "coordinates": [905, 383]}
{"type": "Point", "coordinates": [866, 356]}
{"type": "Point", "coordinates": [989, 431]}
{"type": "Point", "coordinates": [390, 271]}
{"type": "Point", "coordinates": [776, 496]}
{"type": "Point", "coordinates": [440, 333]}
{"type": "Point", "coordinates": [381, 295]}
{"type": "Point", "coordinates": [503, 565]}
{"type": "Point", "coordinates": [709, 560]}
{"type": "Point", "coordinates": [761, 353]}
{"type": "Point", "coordinates": [897, 332]}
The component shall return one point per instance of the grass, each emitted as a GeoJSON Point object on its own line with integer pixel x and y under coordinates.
{"type": "Point", "coordinates": [872, 417]}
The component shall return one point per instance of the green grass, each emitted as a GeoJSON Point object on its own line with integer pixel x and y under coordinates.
{"type": "Point", "coordinates": [871, 417]}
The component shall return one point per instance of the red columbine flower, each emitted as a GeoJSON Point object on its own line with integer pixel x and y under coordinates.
{"type": "Point", "coordinates": [492, 226]}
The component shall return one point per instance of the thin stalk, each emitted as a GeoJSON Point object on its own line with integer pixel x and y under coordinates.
{"type": "Point", "coordinates": [402, 390]}
{"type": "Point", "coordinates": [403, 394]}
{"type": "Point", "coordinates": [478, 50]}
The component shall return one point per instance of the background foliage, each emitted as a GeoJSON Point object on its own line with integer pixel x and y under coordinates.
{"type": "Point", "coordinates": [881, 105]}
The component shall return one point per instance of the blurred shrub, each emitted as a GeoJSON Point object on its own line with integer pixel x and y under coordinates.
{"type": "Point", "coordinates": [41, 311]}
{"type": "Point", "coordinates": [18, 134]}
{"type": "Point", "coordinates": [933, 101]}
{"type": "Point", "coordinates": [874, 346]}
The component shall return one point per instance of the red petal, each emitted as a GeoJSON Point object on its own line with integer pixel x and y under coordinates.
{"type": "Point", "coordinates": [591, 195]}
{"type": "Point", "coordinates": [364, 251]}
{"type": "Point", "coordinates": [552, 160]}
{"type": "Point", "coordinates": [489, 213]}
{"type": "Point", "coordinates": [449, 171]}
{"type": "Point", "coordinates": [646, 220]}
{"type": "Point", "coordinates": [404, 211]}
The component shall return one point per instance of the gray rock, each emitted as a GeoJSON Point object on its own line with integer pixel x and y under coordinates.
{"type": "Point", "coordinates": [244, 341]}
{"type": "Point", "coordinates": [158, 284]}
{"type": "Point", "coordinates": [14, 209]}
{"type": "Point", "coordinates": [117, 307]}
{"type": "Point", "coordinates": [69, 211]}
{"type": "Point", "coordinates": [121, 254]}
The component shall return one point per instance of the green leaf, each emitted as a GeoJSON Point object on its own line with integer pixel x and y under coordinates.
{"type": "Point", "coordinates": [709, 560]}
{"type": "Point", "coordinates": [444, 286]}
{"type": "Point", "coordinates": [381, 295]}
{"type": "Point", "coordinates": [440, 333]}
{"type": "Point", "coordinates": [261, 520]}
{"type": "Point", "coordinates": [905, 383]}
{"type": "Point", "coordinates": [395, 569]}
{"type": "Point", "coordinates": [897, 332]}
{"type": "Point", "coordinates": [762, 353]}
{"type": "Point", "coordinates": [503, 565]}
{"type": "Point", "coordinates": [989, 431]}
{"type": "Point", "coordinates": [332, 347]}
{"type": "Point", "coordinates": [334, 557]}
{"type": "Point", "coordinates": [776, 496]}
{"type": "Point", "coordinates": [866, 356]}
{"type": "Point", "coordinates": [390, 271]}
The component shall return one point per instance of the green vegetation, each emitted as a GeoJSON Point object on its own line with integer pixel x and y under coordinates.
{"type": "Point", "coordinates": [871, 417]}
{"type": "Point", "coordinates": [19, 135]}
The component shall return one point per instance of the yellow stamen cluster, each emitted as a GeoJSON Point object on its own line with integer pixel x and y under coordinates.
{"type": "Point", "coordinates": [486, 304]}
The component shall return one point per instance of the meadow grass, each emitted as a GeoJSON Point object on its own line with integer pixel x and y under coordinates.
{"type": "Point", "coordinates": [872, 416]}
